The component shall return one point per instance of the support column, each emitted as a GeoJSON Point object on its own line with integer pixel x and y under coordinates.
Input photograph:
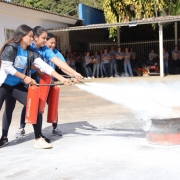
{"type": "Point", "coordinates": [176, 33]}
{"type": "Point", "coordinates": [161, 50]}
{"type": "Point", "coordinates": [118, 35]}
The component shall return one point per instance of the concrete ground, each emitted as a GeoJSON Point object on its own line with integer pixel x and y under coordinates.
{"type": "Point", "coordinates": [101, 141]}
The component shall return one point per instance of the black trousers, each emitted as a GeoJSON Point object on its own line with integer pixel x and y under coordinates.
{"type": "Point", "coordinates": [175, 66]}
{"type": "Point", "coordinates": [120, 66]}
{"type": "Point", "coordinates": [79, 67]}
{"type": "Point", "coordinates": [107, 69]}
{"type": "Point", "coordinates": [10, 94]}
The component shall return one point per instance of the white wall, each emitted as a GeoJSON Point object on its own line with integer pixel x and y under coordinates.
{"type": "Point", "coordinates": [12, 16]}
{"type": "Point", "coordinates": [63, 41]}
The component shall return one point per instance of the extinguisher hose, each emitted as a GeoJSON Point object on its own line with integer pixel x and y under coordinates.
{"type": "Point", "coordinates": [49, 84]}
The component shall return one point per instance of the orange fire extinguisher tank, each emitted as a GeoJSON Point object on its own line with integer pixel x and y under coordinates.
{"type": "Point", "coordinates": [44, 90]}
{"type": "Point", "coordinates": [32, 105]}
{"type": "Point", "coordinates": [53, 105]}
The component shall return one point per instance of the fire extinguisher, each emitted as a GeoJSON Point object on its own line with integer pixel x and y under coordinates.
{"type": "Point", "coordinates": [32, 104]}
{"type": "Point", "coordinates": [53, 100]}
{"type": "Point", "coordinates": [44, 90]}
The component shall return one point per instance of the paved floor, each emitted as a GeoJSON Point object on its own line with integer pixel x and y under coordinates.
{"type": "Point", "coordinates": [101, 141]}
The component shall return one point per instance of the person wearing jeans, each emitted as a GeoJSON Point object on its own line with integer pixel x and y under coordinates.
{"type": "Point", "coordinates": [127, 64]}
{"type": "Point", "coordinates": [165, 57]}
{"type": "Point", "coordinates": [105, 58]}
{"type": "Point", "coordinates": [120, 62]}
{"type": "Point", "coordinates": [88, 61]}
{"type": "Point", "coordinates": [101, 66]}
{"type": "Point", "coordinates": [96, 64]}
{"type": "Point", "coordinates": [113, 64]}
{"type": "Point", "coordinates": [85, 71]}
{"type": "Point", "coordinates": [133, 59]}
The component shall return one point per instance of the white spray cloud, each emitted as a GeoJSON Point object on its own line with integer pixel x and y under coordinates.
{"type": "Point", "coordinates": [145, 100]}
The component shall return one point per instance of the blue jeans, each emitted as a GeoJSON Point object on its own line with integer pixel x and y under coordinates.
{"type": "Point", "coordinates": [96, 70]}
{"type": "Point", "coordinates": [101, 66]}
{"type": "Point", "coordinates": [85, 69]}
{"type": "Point", "coordinates": [166, 67]}
{"type": "Point", "coordinates": [128, 65]}
{"type": "Point", "coordinates": [89, 69]}
{"type": "Point", "coordinates": [113, 67]}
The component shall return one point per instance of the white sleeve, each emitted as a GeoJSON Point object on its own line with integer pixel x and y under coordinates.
{"type": "Point", "coordinates": [44, 67]}
{"type": "Point", "coordinates": [8, 67]}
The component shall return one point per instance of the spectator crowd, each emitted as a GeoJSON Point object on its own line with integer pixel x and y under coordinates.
{"type": "Point", "coordinates": [113, 62]}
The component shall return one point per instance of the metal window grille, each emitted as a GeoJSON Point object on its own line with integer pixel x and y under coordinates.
{"type": "Point", "coordinates": [8, 33]}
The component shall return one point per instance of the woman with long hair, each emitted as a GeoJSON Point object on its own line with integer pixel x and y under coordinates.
{"type": "Point", "coordinates": [51, 43]}
{"type": "Point", "coordinates": [16, 60]}
{"type": "Point", "coordinates": [54, 59]}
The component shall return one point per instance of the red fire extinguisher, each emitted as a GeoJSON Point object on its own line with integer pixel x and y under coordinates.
{"type": "Point", "coordinates": [44, 90]}
{"type": "Point", "coordinates": [53, 100]}
{"type": "Point", "coordinates": [32, 105]}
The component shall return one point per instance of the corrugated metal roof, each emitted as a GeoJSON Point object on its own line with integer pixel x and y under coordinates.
{"type": "Point", "coordinates": [164, 19]}
{"type": "Point", "coordinates": [36, 9]}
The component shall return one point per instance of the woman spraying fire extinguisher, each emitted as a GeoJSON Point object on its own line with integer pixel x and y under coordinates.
{"type": "Point", "coordinates": [52, 58]}
{"type": "Point", "coordinates": [16, 60]}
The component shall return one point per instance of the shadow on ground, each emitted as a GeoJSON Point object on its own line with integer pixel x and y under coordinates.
{"type": "Point", "coordinates": [137, 133]}
{"type": "Point", "coordinates": [82, 128]}
{"type": "Point", "coordinates": [68, 128]}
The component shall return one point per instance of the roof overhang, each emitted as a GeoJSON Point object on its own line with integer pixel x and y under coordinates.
{"type": "Point", "coordinates": [159, 20]}
{"type": "Point", "coordinates": [40, 13]}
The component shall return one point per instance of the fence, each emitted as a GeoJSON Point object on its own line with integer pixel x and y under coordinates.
{"type": "Point", "coordinates": [142, 48]}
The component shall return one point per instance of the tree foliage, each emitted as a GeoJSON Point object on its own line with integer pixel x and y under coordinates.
{"type": "Point", "coordinates": [127, 10]}
{"type": "Point", "coordinates": [60, 6]}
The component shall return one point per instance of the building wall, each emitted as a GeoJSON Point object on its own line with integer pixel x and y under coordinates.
{"type": "Point", "coordinates": [63, 42]}
{"type": "Point", "coordinates": [12, 16]}
{"type": "Point", "coordinates": [90, 15]}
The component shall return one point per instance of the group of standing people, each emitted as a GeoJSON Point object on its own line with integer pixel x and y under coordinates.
{"type": "Point", "coordinates": [103, 63]}
{"type": "Point", "coordinates": [175, 59]}
{"type": "Point", "coordinates": [118, 62]}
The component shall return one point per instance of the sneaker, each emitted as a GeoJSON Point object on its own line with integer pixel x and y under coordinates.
{"type": "Point", "coordinates": [89, 77]}
{"type": "Point", "coordinates": [20, 133]}
{"type": "Point", "coordinates": [111, 77]}
{"type": "Point", "coordinates": [3, 142]}
{"type": "Point", "coordinates": [85, 78]}
{"type": "Point", "coordinates": [93, 77]}
{"type": "Point", "coordinates": [46, 139]}
{"type": "Point", "coordinates": [57, 132]}
{"type": "Point", "coordinates": [41, 143]}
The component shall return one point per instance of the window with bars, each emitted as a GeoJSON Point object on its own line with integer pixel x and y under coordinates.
{"type": "Point", "coordinates": [59, 40]}
{"type": "Point", "coordinates": [8, 33]}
